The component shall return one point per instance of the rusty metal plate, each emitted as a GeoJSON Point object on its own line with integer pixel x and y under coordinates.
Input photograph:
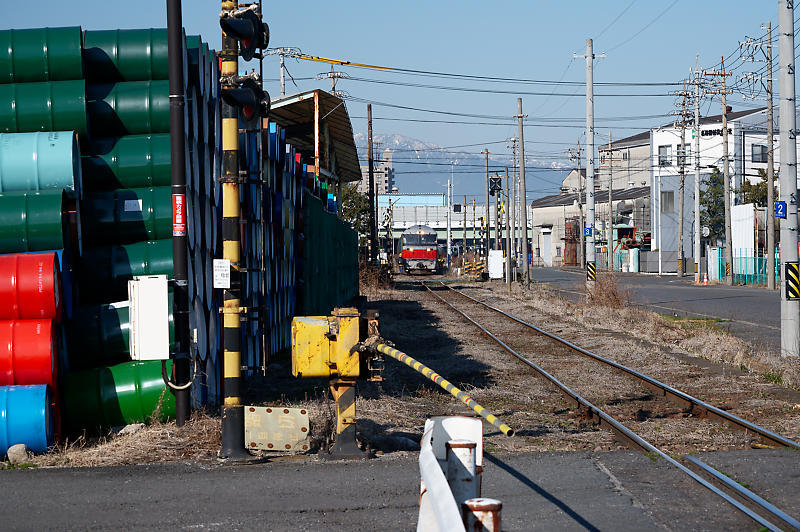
{"type": "Point", "coordinates": [272, 428]}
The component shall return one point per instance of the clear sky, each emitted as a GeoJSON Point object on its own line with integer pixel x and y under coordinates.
{"type": "Point", "coordinates": [644, 41]}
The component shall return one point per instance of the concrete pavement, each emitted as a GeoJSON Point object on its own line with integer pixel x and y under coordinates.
{"type": "Point", "coordinates": [618, 490]}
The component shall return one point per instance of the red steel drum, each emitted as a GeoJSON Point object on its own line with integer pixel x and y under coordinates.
{"type": "Point", "coordinates": [27, 352]}
{"type": "Point", "coordinates": [30, 287]}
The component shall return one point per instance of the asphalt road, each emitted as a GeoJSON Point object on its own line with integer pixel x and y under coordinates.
{"type": "Point", "coordinates": [750, 313]}
{"type": "Point", "coordinates": [618, 490]}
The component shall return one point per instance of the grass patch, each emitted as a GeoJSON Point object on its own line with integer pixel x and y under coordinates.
{"type": "Point", "coordinates": [773, 377]}
{"type": "Point", "coordinates": [652, 455]}
{"type": "Point", "coordinates": [710, 323]}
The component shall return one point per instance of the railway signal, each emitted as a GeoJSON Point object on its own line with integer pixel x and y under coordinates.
{"type": "Point", "coordinates": [245, 26]}
{"type": "Point", "coordinates": [251, 101]}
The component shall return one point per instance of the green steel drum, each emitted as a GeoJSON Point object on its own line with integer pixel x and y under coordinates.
{"type": "Point", "coordinates": [128, 108]}
{"type": "Point", "coordinates": [38, 161]}
{"type": "Point", "coordinates": [127, 215]}
{"type": "Point", "coordinates": [98, 335]}
{"type": "Point", "coordinates": [41, 54]}
{"type": "Point", "coordinates": [128, 162]}
{"type": "Point", "coordinates": [126, 55]}
{"type": "Point", "coordinates": [104, 272]}
{"type": "Point", "coordinates": [131, 392]}
{"type": "Point", "coordinates": [32, 221]}
{"type": "Point", "coordinates": [45, 106]}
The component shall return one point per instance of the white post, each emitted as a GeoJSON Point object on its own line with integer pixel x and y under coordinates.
{"type": "Point", "coordinates": [461, 470]}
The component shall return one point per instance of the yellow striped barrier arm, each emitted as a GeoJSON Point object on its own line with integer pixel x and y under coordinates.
{"type": "Point", "coordinates": [447, 385]}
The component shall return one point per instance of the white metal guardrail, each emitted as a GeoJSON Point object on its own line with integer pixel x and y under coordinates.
{"type": "Point", "coordinates": [450, 465]}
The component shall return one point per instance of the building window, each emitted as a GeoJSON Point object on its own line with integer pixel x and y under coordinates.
{"type": "Point", "coordinates": [558, 251]}
{"type": "Point", "coordinates": [684, 155]}
{"type": "Point", "coordinates": [602, 158]}
{"type": "Point", "coordinates": [759, 153]}
{"type": "Point", "coordinates": [665, 155]}
{"type": "Point", "coordinates": [667, 201]}
{"type": "Point", "coordinates": [625, 156]}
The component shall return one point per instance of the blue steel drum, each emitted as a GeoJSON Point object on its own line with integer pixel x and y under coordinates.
{"type": "Point", "coordinates": [25, 417]}
{"type": "Point", "coordinates": [208, 223]}
{"type": "Point", "coordinates": [39, 161]}
{"type": "Point", "coordinates": [197, 222]}
{"type": "Point", "coordinates": [199, 281]}
{"type": "Point", "coordinates": [190, 223]}
{"type": "Point", "coordinates": [198, 312]}
{"type": "Point", "coordinates": [208, 265]}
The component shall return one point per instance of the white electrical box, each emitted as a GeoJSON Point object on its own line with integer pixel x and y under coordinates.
{"type": "Point", "coordinates": [149, 317]}
{"type": "Point", "coordinates": [496, 264]}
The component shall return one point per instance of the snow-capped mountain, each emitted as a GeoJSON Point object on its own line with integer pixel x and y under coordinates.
{"type": "Point", "coordinates": [425, 167]}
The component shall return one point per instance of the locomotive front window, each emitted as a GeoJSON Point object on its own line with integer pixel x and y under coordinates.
{"type": "Point", "coordinates": [419, 240]}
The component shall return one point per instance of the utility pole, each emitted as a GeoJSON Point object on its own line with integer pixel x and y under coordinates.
{"type": "Point", "coordinates": [684, 94]}
{"type": "Point", "coordinates": [523, 194]}
{"type": "Point", "coordinates": [512, 197]}
{"type": "Point", "coordinates": [464, 239]}
{"type": "Point", "coordinates": [770, 169]}
{"type": "Point", "coordinates": [590, 258]}
{"type": "Point", "coordinates": [610, 241]}
{"type": "Point", "coordinates": [373, 244]}
{"type": "Point", "coordinates": [449, 216]}
{"type": "Point", "coordinates": [575, 155]}
{"type": "Point", "coordinates": [508, 235]}
{"type": "Point", "coordinates": [486, 168]}
{"type": "Point", "coordinates": [723, 91]}
{"type": "Point", "coordinates": [790, 304]}
{"type": "Point", "coordinates": [283, 76]}
{"type": "Point", "coordinates": [610, 165]}
{"type": "Point", "coordinates": [697, 250]}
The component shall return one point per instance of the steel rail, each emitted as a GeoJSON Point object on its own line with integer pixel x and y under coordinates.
{"type": "Point", "coordinates": [698, 407]}
{"type": "Point", "coordinates": [744, 491]}
{"type": "Point", "coordinates": [612, 424]}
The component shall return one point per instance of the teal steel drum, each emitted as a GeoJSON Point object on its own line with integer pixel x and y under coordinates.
{"type": "Point", "coordinates": [131, 392]}
{"type": "Point", "coordinates": [103, 272]}
{"type": "Point", "coordinates": [126, 55]}
{"type": "Point", "coordinates": [41, 54]}
{"type": "Point", "coordinates": [127, 215]}
{"type": "Point", "coordinates": [128, 108]}
{"type": "Point", "coordinates": [128, 162]}
{"type": "Point", "coordinates": [39, 161]}
{"type": "Point", "coordinates": [26, 417]}
{"type": "Point", "coordinates": [46, 106]}
{"type": "Point", "coordinates": [98, 335]}
{"type": "Point", "coordinates": [32, 221]}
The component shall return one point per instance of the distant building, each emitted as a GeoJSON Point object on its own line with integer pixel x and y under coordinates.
{"type": "Point", "coordinates": [383, 174]}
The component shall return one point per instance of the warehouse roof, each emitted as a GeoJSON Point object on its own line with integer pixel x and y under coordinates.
{"type": "Point", "coordinates": [318, 126]}
{"type": "Point", "coordinates": [558, 200]}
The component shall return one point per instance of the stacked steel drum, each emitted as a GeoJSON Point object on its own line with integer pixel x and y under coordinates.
{"type": "Point", "coordinates": [85, 205]}
{"type": "Point", "coordinates": [85, 170]}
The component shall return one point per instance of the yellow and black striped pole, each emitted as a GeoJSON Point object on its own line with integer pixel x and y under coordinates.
{"type": "Point", "coordinates": [591, 272]}
{"type": "Point", "coordinates": [447, 385]}
{"type": "Point", "coordinates": [232, 408]}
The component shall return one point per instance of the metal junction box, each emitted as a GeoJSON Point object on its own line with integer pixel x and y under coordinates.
{"type": "Point", "coordinates": [149, 317]}
{"type": "Point", "coordinates": [322, 346]}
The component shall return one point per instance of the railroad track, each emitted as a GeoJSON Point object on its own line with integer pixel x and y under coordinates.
{"type": "Point", "coordinates": [738, 496]}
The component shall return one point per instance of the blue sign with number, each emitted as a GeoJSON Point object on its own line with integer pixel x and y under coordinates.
{"type": "Point", "coordinates": [780, 209]}
{"type": "Point", "coordinates": [587, 231]}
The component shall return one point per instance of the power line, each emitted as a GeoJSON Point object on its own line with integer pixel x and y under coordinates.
{"type": "Point", "coordinates": [629, 39]}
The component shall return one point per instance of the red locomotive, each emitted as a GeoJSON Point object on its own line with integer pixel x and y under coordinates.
{"type": "Point", "coordinates": [419, 249]}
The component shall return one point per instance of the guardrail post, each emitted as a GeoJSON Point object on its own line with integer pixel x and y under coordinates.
{"type": "Point", "coordinates": [461, 470]}
{"type": "Point", "coordinates": [482, 515]}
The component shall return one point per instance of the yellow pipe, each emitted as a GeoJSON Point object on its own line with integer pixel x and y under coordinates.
{"type": "Point", "coordinates": [447, 385]}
